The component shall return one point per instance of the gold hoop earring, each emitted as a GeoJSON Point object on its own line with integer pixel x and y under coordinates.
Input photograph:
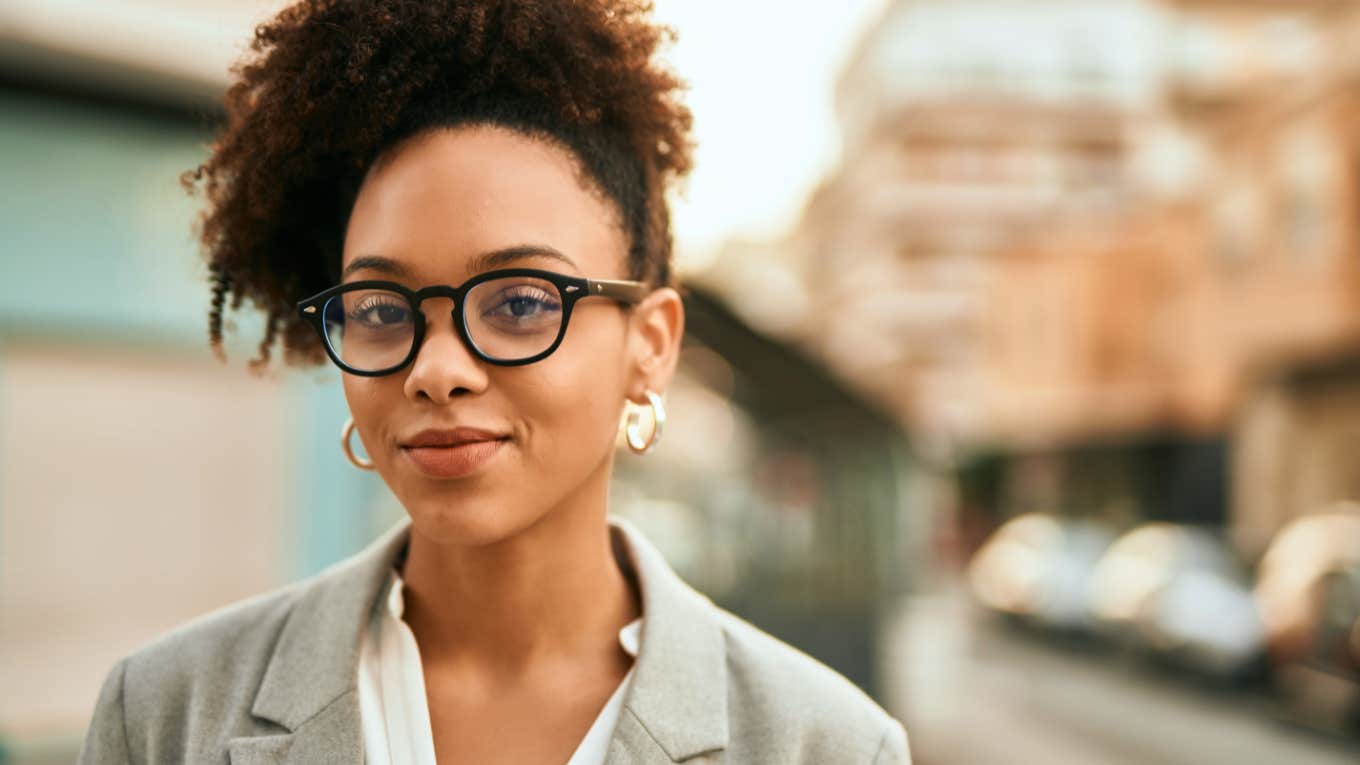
{"type": "Point", "coordinates": [634, 428]}
{"type": "Point", "coordinates": [345, 433]}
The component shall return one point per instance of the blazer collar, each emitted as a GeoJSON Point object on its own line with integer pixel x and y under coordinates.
{"type": "Point", "coordinates": [676, 702]}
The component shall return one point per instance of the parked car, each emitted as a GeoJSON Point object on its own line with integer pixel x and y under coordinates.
{"type": "Point", "coordinates": [1336, 638]}
{"type": "Point", "coordinates": [1181, 592]}
{"type": "Point", "coordinates": [1309, 592]}
{"type": "Point", "coordinates": [1037, 567]}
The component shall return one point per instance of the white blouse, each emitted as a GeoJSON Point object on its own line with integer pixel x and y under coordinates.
{"type": "Point", "coordinates": [392, 704]}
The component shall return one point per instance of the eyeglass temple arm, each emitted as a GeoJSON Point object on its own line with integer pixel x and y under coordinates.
{"type": "Point", "coordinates": [628, 292]}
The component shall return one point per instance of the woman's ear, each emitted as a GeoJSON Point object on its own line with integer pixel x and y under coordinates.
{"type": "Point", "coordinates": [656, 329]}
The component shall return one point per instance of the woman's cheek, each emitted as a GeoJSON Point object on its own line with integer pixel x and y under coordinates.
{"type": "Point", "coordinates": [371, 402]}
{"type": "Point", "coordinates": [573, 431]}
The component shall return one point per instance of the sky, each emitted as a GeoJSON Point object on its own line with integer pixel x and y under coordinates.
{"type": "Point", "coordinates": [762, 76]}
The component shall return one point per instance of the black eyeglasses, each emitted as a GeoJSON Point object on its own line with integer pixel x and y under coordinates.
{"type": "Point", "coordinates": [507, 317]}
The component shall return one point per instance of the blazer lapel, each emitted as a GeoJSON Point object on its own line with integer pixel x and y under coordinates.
{"type": "Point", "coordinates": [333, 736]}
{"type": "Point", "coordinates": [309, 686]}
{"type": "Point", "coordinates": [631, 744]}
{"type": "Point", "coordinates": [676, 705]}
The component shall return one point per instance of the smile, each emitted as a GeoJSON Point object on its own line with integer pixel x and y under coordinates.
{"type": "Point", "coordinates": [454, 461]}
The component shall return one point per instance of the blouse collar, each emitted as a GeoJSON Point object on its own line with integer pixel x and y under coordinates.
{"type": "Point", "coordinates": [395, 607]}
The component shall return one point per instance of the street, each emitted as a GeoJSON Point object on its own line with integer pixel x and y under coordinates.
{"type": "Point", "coordinates": [972, 691]}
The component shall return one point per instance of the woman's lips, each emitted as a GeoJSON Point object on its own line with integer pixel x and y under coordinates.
{"type": "Point", "coordinates": [453, 461]}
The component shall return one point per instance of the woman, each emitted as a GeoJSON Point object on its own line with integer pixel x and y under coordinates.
{"type": "Point", "coordinates": [462, 205]}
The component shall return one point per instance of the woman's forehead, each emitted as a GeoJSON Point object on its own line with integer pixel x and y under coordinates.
{"type": "Point", "coordinates": [460, 201]}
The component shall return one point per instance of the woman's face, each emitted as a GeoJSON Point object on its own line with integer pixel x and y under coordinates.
{"type": "Point", "coordinates": [435, 208]}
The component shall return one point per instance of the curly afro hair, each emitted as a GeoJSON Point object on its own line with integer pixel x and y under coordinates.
{"type": "Point", "coordinates": [328, 85]}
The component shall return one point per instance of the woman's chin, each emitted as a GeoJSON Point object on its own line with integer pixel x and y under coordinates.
{"type": "Point", "coordinates": [471, 523]}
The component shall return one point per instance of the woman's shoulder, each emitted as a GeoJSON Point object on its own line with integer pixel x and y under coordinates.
{"type": "Point", "coordinates": [233, 644]}
{"type": "Point", "coordinates": [803, 701]}
{"type": "Point", "coordinates": [192, 683]}
{"type": "Point", "coordinates": [231, 641]}
{"type": "Point", "coordinates": [241, 670]}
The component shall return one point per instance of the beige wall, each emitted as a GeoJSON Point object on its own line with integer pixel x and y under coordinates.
{"type": "Point", "coordinates": [135, 493]}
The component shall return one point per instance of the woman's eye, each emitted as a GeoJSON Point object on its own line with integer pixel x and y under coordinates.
{"type": "Point", "coordinates": [381, 315]}
{"type": "Point", "coordinates": [523, 306]}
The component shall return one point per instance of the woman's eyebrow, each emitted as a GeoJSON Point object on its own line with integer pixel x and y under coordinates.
{"type": "Point", "coordinates": [496, 258]}
{"type": "Point", "coordinates": [483, 262]}
{"type": "Point", "coordinates": [375, 263]}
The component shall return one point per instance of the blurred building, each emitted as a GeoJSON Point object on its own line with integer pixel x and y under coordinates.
{"type": "Point", "coordinates": [1066, 239]}
{"type": "Point", "coordinates": [958, 143]}
{"type": "Point", "coordinates": [1237, 261]}
{"type": "Point", "coordinates": [1268, 95]}
{"type": "Point", "coordinates": [141, 482]}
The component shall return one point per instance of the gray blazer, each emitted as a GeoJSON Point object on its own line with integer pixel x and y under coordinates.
{"type": "Point", "coordinates": [272, 679]}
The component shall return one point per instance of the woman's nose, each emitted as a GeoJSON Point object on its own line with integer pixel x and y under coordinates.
{"type": "Point", "coordinates": [444, 367]}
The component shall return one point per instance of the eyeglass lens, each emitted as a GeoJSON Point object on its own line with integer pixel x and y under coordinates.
{"type": "Point", "coordinates": [508, 319]}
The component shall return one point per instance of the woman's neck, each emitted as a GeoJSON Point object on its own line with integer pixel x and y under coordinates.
{"type": "Point", "coordinates": [554, 590]}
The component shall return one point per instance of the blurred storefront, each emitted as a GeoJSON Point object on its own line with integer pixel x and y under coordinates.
{"type": "Point", "coordinates": [783, 496]}
{"type": "Point", "coordinates": [1296, 442]}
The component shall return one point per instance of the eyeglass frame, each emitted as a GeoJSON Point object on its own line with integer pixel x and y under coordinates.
{"type": "Point", "coordinates": [570, 288]}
